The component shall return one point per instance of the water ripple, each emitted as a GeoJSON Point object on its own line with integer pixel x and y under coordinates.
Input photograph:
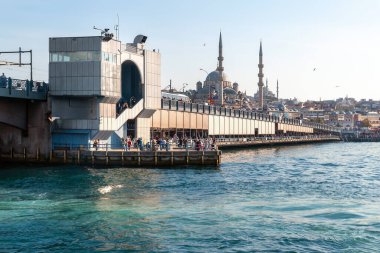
{"type": "Point", "coordinates": [309, 198]}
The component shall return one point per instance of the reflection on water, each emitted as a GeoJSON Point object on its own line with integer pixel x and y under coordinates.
{"type": "Point", "coordinates": [321, 198]}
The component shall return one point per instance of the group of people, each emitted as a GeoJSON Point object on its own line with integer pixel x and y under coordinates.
{"type": "Point", "coordinates": [159, 143]}
{"type": "Point", "coordinates": [123, 104]}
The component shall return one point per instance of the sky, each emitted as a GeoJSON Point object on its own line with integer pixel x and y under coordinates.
{"type": "Point", "coordinates": [340, 39]}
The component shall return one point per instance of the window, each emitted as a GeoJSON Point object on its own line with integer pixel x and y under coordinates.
{"type": "Point", "coordinates": [75, 56]}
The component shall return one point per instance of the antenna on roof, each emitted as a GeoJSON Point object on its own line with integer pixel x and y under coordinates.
{"type": "Point", "coordinates": [104, 33]}
{"type": "Point", "coordinates": [116, 27]}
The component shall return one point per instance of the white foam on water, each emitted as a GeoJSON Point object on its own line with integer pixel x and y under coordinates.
{"type": "Point", "coordinates": [109, 188]}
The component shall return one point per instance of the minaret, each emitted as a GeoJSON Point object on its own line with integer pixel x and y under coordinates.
{"type": "Point", "coordinates": [220, 58]}
{"type": "Point", "coordinates": [220, 69]}
{"type": "Point", "coordinates": [277, 89]}
{"type": "Point", "coordinates": [261, 75]}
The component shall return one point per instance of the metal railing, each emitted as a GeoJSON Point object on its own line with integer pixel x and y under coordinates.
{"type": "Point", "coordinates": [23, 88]}
{"type": "Point", "coordinates": [217, 110]}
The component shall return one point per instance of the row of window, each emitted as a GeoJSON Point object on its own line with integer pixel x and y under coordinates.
{"type": "Point", "coordinates": [82, 56]}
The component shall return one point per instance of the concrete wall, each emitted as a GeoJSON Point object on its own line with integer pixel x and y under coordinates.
{"type": "Point", "coordinates": [165, 119]}
{"type": "Point", "coordinates": [35, 136]}
{"type": "Point", "coordinates": [294, 128]}
{"type": "Point", "coordinates": [110, 69]}
{"type": "Point", "coordinates": [13, 112]}
{"type": "Point", "coordinates": [152, 83]}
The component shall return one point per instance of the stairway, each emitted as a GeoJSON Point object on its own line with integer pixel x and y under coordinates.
{"type": "Point", "coordinates": [114, 124]}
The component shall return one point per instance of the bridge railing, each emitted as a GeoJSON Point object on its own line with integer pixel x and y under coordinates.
{"type": "Point", "coordinates": [273, 138]}
{"type": "Point", "coordinates": [217, 110]}
{"type": "Point", "coordinates": [23, 88]}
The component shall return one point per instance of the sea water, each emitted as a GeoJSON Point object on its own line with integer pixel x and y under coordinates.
{"type": "Point", "coordinates": [307, 198]}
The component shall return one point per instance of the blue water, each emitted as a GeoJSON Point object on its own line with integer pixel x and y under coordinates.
{"type": "Point", "coordinates": [310, 198]}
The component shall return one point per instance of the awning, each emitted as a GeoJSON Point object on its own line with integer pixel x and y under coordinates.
{"type": "Point", "coordinates": [102, 135]}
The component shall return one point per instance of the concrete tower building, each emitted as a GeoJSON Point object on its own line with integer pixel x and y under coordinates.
{"type": "Point", "coordinates": [90, 77]}
{"type": "Point", "coordinates": [261, 75]}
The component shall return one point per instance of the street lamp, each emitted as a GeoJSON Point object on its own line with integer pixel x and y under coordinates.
{"type": "Point", "coordinates": [209, 86]}
{"type": "Point", "coordinates": [183, 87]}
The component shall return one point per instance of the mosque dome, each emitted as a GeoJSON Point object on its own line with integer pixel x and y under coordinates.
{"type": "Point", "coordinates": [215, 76]}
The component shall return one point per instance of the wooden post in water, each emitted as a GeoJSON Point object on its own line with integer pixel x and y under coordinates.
{"type": "Point", "coordinates": [203, 157]}
{"type": "Point", "coordinates": [51, 155]}
{"type": "Point", "coordinates": [172, 158]}
{"type": "Point", "coordinates": [78, 156]}
{"type": "Point", "coordinates": [155, 158]}
{"type": "Point", "coordinates": [122, 158]}
{"type": "Point", "coordinates": [38, 154]}
{"type": "Point", "coordinates": [92, 158]}
{"type": "Point", "coordinates": [24, 153]}
{"type": "Point", "coordinates": [138, 158]}
{"type": "Point", "coordinates": [107, 157]}
{"type": "Point", "coordinates": [64, 156]}
{"type": "Point", "coordinates": [187, 157]}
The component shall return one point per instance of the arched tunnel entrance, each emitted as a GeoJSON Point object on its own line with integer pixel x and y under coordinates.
{"type": "Point", "coordinates": [131, 86]}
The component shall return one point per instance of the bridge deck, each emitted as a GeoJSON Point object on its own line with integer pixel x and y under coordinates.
{"type": "Point", "coordinates": [22, 94]}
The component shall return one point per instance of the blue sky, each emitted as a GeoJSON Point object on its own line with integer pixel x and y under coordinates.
{"type": "Point", "coordinates": [339, 38]}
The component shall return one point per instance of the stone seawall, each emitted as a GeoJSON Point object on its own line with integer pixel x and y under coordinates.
{"type": "Point", "coordinates": [119, 158]}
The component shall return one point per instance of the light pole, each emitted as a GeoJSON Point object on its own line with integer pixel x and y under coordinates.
{"type": "Point", "coordinates": [209, 91]}
{"type": "Point", "coordinates": [183, 87]}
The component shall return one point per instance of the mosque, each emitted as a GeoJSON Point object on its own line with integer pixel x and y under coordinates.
{"type": "Point", "coordinates": [210, 90]}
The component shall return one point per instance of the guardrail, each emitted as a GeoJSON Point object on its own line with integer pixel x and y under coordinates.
{"type": "Point", "coordinates": [23, 88]}
{"type": "Point", "coordinates": [222, 111]}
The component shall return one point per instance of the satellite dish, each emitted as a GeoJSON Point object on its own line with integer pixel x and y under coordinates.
{"type": "Point", "coordinates": [140, 39]}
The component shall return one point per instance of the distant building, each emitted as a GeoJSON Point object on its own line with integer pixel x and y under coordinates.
{"type": "Point", "coordinates": [268, 95]}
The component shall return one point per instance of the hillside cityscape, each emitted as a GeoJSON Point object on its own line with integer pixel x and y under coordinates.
{"type": "Point", "coordinates": [347, 113]}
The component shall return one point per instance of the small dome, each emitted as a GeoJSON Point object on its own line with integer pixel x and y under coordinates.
{"type": "Point", "coordinates": [215, 76]}
{"type": "Point", "coordinates": [229, 91]}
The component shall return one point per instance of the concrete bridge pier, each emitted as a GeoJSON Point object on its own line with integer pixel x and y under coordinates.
{"type": "Point", "coordinates": [24, 127]}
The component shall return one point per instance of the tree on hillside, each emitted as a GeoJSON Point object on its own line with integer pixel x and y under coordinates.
{"type": "Point", "coordinates": [365, 123]}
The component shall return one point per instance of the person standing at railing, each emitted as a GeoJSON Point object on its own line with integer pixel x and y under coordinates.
{"type": "Point", "coordinates": [213, 144]}
{"type": "Point", "coordinates": [167, 145]}
{"type": "Point", "coordinates": [129, 143]}
{"type": "Point", "coordinates": [3, 81]}
{"type": "Point", "coordinates": [95, 145]}
{"type": "Point", "coordinates": [185, 144]}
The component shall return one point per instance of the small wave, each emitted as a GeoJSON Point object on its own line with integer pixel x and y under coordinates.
{"type": "Point", "coordinates": [335, 216]}
{"type": "Point", "coordinates": [109, 188]}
